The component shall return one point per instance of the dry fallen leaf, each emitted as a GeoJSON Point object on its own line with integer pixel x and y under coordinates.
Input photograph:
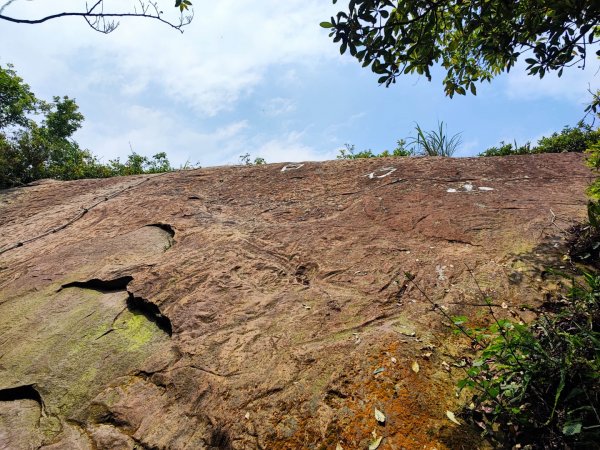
{"type": "Point", "coordinates": [375, 444]}
{"type": "Point", "coordinates": [379, 416]}
{"type": "Point", "coordinates": [415, 367]}
{"type": "Point", "coordinates": [247, 416]}
{"type": "Point", "coordinates": [339, 447]}
{"type": "Point", "coordinates": [452, 417]}
{"type": "Point", "coordinates": [394, 360]}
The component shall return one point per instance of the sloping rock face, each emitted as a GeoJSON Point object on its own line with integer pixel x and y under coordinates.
{"type": "Point", "coordinates": [265, 307]}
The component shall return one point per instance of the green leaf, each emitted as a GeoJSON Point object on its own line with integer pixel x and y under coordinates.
{"type": "Point", "coordinates": [594, 214]}
{"type": "Point", "coordinates": [571, 428]}
{"type": "Point", "coordinates": [462, 383]}
{"type": "Point", "coordinates": [326, 25]}
{"type": "Point", "coordinates": [459, 320]}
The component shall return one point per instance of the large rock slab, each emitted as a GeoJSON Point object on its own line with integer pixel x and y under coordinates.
{"type": "Point", "coordinates": [265, 307]}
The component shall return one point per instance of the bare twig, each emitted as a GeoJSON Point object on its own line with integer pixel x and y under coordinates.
{"type": "Point", "coordinates": [100, 20]}
{"type": "Point", "coordinates": [8, 3]}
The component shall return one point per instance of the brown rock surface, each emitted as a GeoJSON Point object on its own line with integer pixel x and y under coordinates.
{"type": "Point", "coordinates": [254, 307]}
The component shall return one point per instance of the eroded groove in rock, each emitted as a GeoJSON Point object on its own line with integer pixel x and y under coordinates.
{"type": "Point", "coordinates": [82, 212]}
{"type": "Point", "coordinates": [150, 311]}
{"type": "Point", "coordinates": [110, 418]}
{"type": "Point", "coordinates": [25, 392]}
{"type": "Point", "coordinates": [220, 439]}
{"type": "Point", "coordinates": [134, 304]}
{"type": "Point", "coordinates": [165, 227]}
{"type": "Point", "coordinates": [271, 348]}
{"type": "Point", "coordinates": [104, 286]}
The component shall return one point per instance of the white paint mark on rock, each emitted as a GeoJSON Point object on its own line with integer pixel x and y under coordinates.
{"type": "Point", "coordinates": [384, 171]}
{"type": "Point", "coordinates": [291, 167]}
{"type": "Point", "coordinates": [469, 187]}
{"type": "Point", "coordinates": [440, 272]}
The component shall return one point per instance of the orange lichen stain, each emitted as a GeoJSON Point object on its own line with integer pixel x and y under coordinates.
{"type": "Point", "coordinates": [407, 399]}
{"type": "Point", "coordinates": [414, 405]}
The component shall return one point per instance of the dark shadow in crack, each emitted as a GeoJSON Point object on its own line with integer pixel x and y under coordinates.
{"type": "Point", "coordinates": [26, 392]}
{"type": "Point", "coordinates": [136, 305]}
{"type": "Point", "coordinates": [220, 439]}
{"type": "Point", "coordinates": [104, 286]}
{"type": "Point", "coordinates": [165, 227]}
{"type": "Point", "coordinates": [150, 311]}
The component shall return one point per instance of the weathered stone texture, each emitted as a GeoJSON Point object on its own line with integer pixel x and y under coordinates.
{"type": "Point", "coordinates": [254, 307]}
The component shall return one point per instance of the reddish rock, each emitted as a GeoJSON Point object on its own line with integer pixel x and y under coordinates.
{"type": "Point", "coordinates": [255, 307]}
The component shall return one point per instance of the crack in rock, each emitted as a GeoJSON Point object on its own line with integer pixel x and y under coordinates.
{"type": "Point", "coordinates": [134, 304]}
{"type": "Point", "coordinates": [25, 392]}
{"type": "Point", "coordinates": [150, 311]}
{"type": "Point", "coordinates": [103, 286]}
{"type": "Point", "coordinates": [165, 227]}
{"type": "Point", "coordinates": [220, 439]}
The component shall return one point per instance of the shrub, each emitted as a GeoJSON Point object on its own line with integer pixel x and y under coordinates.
{"type": "Point", "coordinates": [349, 152]}
{"type": "Point", "coordinates": [539, 384]}
{"type": "Point", "coordinates": [577, 139]}
{"type": "Point", "coordinates": [246, 161]}
{"type": "Point", "coordinates": [426, 143]}
{"type": "Point", "coordinates": [507, 149]}
{"type": "Point", "coordinates": [570, 139]}
{"type": "Point", "coordinates": [138, 164]}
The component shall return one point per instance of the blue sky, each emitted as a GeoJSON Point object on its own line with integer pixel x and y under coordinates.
{"type": "Point", "coordinates": [260, 78]}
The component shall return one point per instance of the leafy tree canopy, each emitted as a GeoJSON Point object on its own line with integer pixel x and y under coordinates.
{"type": "Point", "coordinates": [16, 99]}
{"type": "Point", "coordinates": [36, 140]}
{"type": "Point", "coordinates": [472, 40]}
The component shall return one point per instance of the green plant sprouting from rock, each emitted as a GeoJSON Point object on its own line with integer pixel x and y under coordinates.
{"type": "Point", "coordinates": [435, 142]}
{"type": "Point", "coordinates": [535, 384]}
{"type": "Point", "coordinates": [349, 152]}
{"type": "Point", "coordinates": [539, 384]}
{"type": "Point", "coordinates": [246, 160]}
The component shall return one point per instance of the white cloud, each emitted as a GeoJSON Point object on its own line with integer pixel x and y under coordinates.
{"type": "Point", "coordinates": [468, 148]}
{"type": "Point", "coordinates": [278, 106]}
{"type": "Point", "coordinates": [290, 148]}
{"type": "Point", "coordinates": [223, 55]}
{"type": "Point", "coordinates": [572, 86]}
{"type": "Point", "coordinates": [159, 90]}
{"type": "Point", "coordinates": [150, 131]}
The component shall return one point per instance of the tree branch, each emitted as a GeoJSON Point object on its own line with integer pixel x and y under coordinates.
{"type": "Point", "coordinates": [6, 5]}
{"type": "Point", "coordinates": [97, 20]}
